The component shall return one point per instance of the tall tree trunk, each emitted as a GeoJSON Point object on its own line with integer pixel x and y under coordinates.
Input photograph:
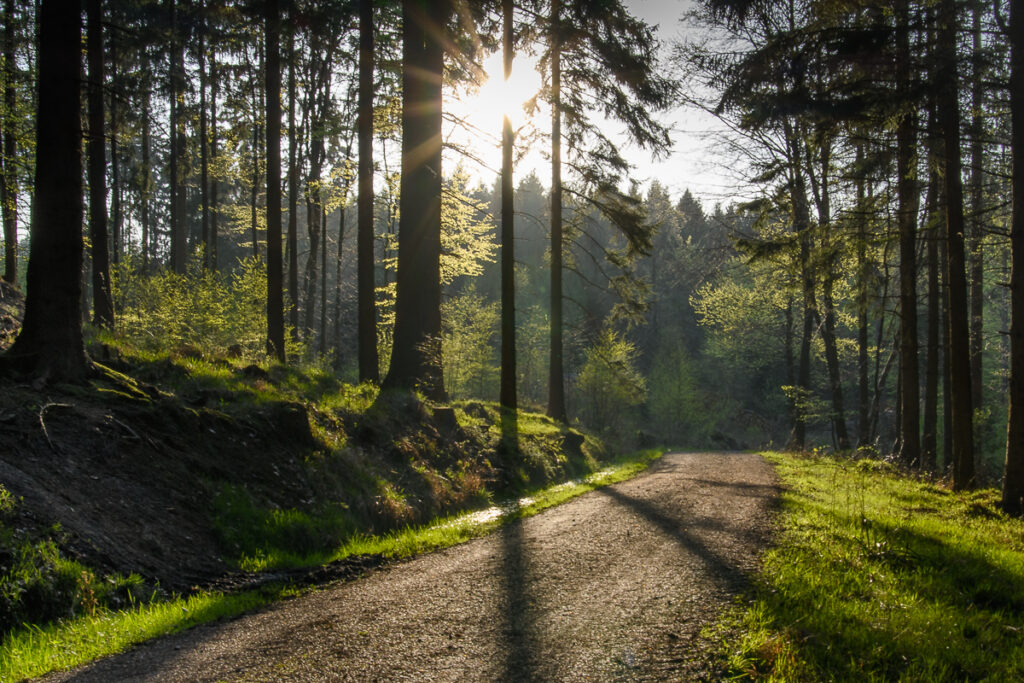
{"type": "Point", "coordinates": [369, 370]}
{"type": "Point", "coordinates": [337, 286]}
{"type": "Point", "coordinates": [944, 360]}
{"type": "Point", "coordinates": [977, 232]}
{"type": "Point", "coordinates": [179, 240]}
{"type": "Point", "coordinates": [507, 393]}
{"type": "Point", "coordinates": [556, 371]}
{"type": "Point", "coordinates": [275, 273]}
{"type": "Point", "coordinates": [50, 342]}
{"type": "Point", "coordinates": [929, 435]}
{"type": "Point", "coordinates": [959, 337]}
{"type": "Point", "coordinates": [802, 227]}
{"type": "Point", "coordinates": [9, 182]}
{"type": "Point", "coordinates": [416, 350]}
{"type": "Point", "coordinates": [211, 246]}
{"type": "Point", "coordinates": [204, 152]}
{"type": "Point", "coordinates": [1013, 476]}
{"type": "Point", "coordinates": [828, 328]}
{"type": "Point", "coordinates": [117, 235]}
{"type": "Point", "coordinates": [863, 273]}
{"type": "Point", "coordinates": [293, 189]}
{"type": "Point", "coordinates": [146, 194]}
{"type": "Point", "coordinates": [103, 307]}
{"type": "Point", "coordinates": [907, 199]}
{"type": "Point", "coordinates": [323, 281]}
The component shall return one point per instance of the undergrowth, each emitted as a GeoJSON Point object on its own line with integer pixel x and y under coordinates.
{"type": "Point", "coordinates": [878, 576]}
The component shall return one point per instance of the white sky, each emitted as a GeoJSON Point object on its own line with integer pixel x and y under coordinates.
{"type": "Point", "coordinates": [691, 162]}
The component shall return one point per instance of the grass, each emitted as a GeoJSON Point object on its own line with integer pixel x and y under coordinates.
{"type": "Point", "coordinates": [880, 576]}
{"type": "Point", "coordinates": [34, 651]}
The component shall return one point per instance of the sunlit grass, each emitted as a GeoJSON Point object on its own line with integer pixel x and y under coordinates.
{"type": "Point", "coordinates": [33, 651]}
{"type": "Point", "coordinates": [879, 576]}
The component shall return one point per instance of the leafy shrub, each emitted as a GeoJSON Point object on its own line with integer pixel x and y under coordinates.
{"type": "Point", "coordinates": [198, 309]}
{"type": "Point", "coordinates": [610, 386]}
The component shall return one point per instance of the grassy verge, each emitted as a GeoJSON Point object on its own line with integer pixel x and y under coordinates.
{"type": "Point", "coordinates": [880, 576]}
{"type": "Point", "coordinates": [34, 651]}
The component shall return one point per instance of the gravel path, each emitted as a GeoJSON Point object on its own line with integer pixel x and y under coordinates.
{"type": "Point", "coordinates": [614, 585]}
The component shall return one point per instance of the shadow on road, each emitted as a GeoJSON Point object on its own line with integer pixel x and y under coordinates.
{"type": "Point", "coordinates": [725, 574]}
{"type": "Point", "coordinates": [519, 658]}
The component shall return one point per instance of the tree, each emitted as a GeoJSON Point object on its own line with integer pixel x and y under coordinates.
{"type": "Point", "coordinates": [1013, 477]}
{"type": "Point", "coordinates": [906, 189]}
{"type": "Point", "coordinates": [366, 285]}
{"type": "Point", "coordinates": [8, 181]}
{"type": "Point", "coordinates": [959, 342]}
{"type": "Point", "coordinates": [103, 306]}
{"type": "Point", "coordinates": [275, 273]}
{"type": "Point", "coordinates": [50, 343]}
{"type": "Point", "coordinates": [612, 59]}
{"type": "Point", "coordinates": [416, 349]}
{"type": "Point", "coordinates": [507, 393]}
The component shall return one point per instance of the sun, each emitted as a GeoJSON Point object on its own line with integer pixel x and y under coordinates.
{"type": "Point", "coordinates": [475, 118]}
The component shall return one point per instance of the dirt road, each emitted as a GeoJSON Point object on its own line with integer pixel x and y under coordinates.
{"type": "Point", "coordinates": [614, 585]}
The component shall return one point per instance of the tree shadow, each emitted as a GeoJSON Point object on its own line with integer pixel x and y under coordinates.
{"type": "Point", "coordinates": [725, 574]}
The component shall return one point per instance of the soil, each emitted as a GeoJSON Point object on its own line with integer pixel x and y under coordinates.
{"type": "Point", "coordinates": [615, 585]}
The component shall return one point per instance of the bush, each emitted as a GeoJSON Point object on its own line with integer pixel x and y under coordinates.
{"type": "Point", "coordinates": [200, 309]}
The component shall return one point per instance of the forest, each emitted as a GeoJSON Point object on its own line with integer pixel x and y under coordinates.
{"type": "Point", "coordinates": [345, 228]}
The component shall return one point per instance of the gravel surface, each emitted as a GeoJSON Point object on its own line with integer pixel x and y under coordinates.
{"type": "Point", "coordinates": [614, 585]}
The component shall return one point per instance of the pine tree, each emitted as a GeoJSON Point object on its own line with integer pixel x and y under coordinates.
{"type": "Point", "coordinates": [50, 343]}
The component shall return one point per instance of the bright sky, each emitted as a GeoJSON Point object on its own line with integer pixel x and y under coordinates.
{"type": "Point", "coordinates": [691, 163]}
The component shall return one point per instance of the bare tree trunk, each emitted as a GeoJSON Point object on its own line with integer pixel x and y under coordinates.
{"type": "Point", "coordinates": [50, 344]}
{"type": "Point", "coordinates": [103, 307]}
{"type": "Point", "coordinates": [177, 135]}
{"type": "Point", "coordinates": [863, 272]}
{"type": "Point", "coordinates": [507, 393]}
{"type": "Point", "coordinates": [275, 279]}
{"type": "Point", "coordinates": [416, 350]}
{"type": "Point", "coordinates": [977, 232]}
{"type": "Point", "coordinates": [1013, 477]}
{"type": "Point", "coordinates": [211, 247]}
{"type": "Point", "coordinates": [908, 199]}
{"type": "Point", "coordinates": [204, 152]}
{"type": "Point", "coordinates": [369, 362]}
{"type": "Point", "coordinates": [293, 191]}
{"type": "Point", "coordinates": [556, 371]}
{"type": "Point", "coordinates": [147, 184]}
{"type": "Point", "coordinates": [9, 182]}
{"type": "Point", "coordinates": [959, 337]}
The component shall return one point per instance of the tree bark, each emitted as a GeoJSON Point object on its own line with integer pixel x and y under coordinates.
{"type": "Point", "coordinates": [103, 307]}
{"type": "Point", "coordinates": [369, 363]}
{"type": "Point", "coordinates": [863, 273]}
{"type": "Point", "coordinates": [416, 350]}
{"type": "Point", "coordinates": [959, 337]}
{"type": "Point", "coordinates": [9, 182]}
{"type": "Point", "coordinates": [293, 190]}
{"type": "Point", "coordinates": [977, 233]}
{"type": "Point", "coordinates": [177, 139]}
{"type": "Point", "coordinates": [146, 194]}
{"type": "Point", "coordinates": [211, 247]}
{"type": "Point", "coordinates": [907, 199]}
{"type": "Point", "coordinates": [50, 345]}
{"type": "Point", "coordinates": [930, 421]}
{"type": "Point", "coordinates": [275, 274]}
{"type": "Point", "coordinates": [556, 371]}
{"type": "Point", "coordinates": [507, 393]}
{"type": "Point", "coordinates": [1013, 476]}
{"type": "Point", "coordinates": [204, 152]}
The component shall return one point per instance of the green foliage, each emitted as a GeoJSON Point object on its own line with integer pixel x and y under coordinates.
{"type": "Point", "coordinates": [877, 576]}
{"type": "Point", "coordinates": [676, 402]}
{"type": "Point", "coordinates": [609, 384]}
{"type": "Point", "coordinates": [469, 327]}
{"type": "Point", "coordinates": [206, 310]}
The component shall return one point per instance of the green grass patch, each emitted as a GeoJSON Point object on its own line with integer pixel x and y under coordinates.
{"type": "Point", "coordinates": [33, 651]}
{"type": "Point", "coordinates": [880, 576]}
